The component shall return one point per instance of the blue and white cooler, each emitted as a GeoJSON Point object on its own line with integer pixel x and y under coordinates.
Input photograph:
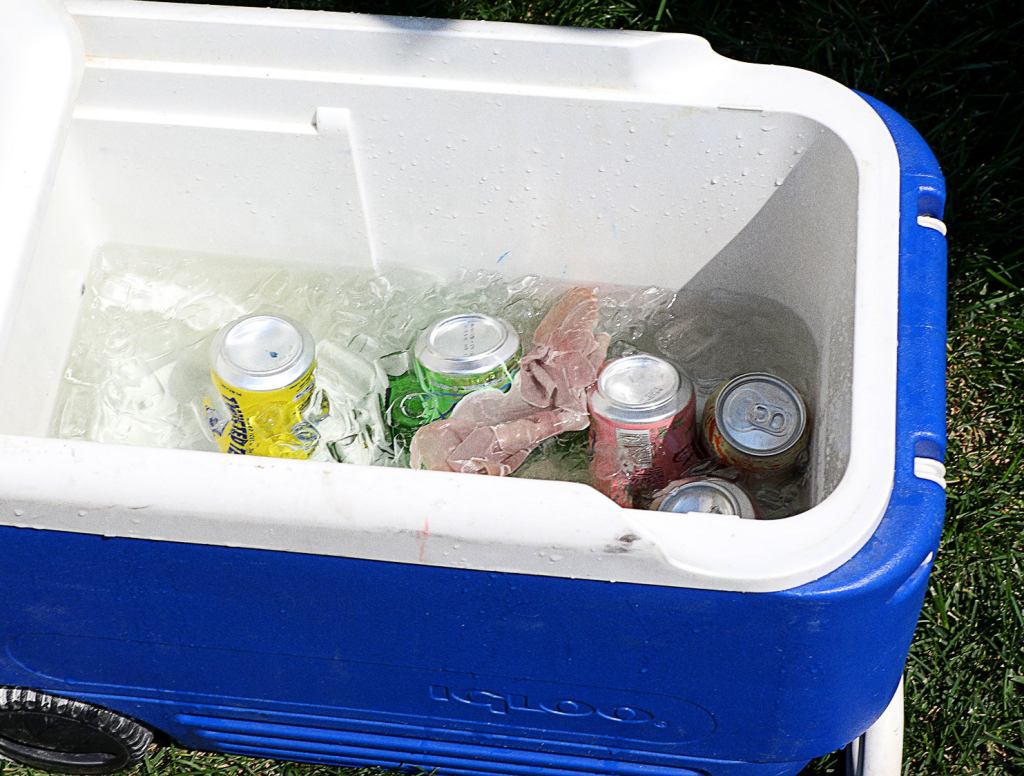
{"type": "Point", "coordinates": [357, 615]}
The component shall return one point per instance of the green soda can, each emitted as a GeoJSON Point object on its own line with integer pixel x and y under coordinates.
{"type": "Point", "coordinates": [405, 405]}
{"type": "Point", "coordinates": [465, 353]}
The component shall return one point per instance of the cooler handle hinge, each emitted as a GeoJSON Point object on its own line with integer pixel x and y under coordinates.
{"type": "Point", "coordinates": [930, 469]}
{"type": "Point", "coordinates": [931, 222]}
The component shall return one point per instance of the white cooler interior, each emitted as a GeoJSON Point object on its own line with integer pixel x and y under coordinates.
{"type": "Point", "coordinates": [339, 140]}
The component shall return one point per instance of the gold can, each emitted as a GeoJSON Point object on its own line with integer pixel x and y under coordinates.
{"type": "Point", "coordinates": [756, 422]}
{"type": "Point", "coordinates": [263, 368]}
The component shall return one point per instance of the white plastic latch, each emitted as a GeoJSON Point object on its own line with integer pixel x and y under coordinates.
{"type": "Point", "coordinates": [930, 469]}
{"type": "Point", "coordinates": [931, 222]}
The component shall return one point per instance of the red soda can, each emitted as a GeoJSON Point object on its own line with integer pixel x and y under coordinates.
{"type": "Point", "coordinates": [642, 427]}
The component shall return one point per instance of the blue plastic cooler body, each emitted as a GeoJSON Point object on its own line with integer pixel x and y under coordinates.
{"type": "Point", "coordinates": [354, 662]}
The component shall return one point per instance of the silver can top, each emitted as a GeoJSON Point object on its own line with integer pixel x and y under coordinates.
{"type": "Point", "coordinates": [467, 344]}
{"type": "Point", "coordinates": [640, 388]}
{"type": "Point", "coordinates": [760, 414]}
{"type": "Point", "coordinates": [711, 496]}
{"type": "Point", "coordinates": [262, 352]}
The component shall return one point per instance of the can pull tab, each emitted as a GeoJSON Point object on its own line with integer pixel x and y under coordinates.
{"type": "Point", "coordinates": [766, 417]}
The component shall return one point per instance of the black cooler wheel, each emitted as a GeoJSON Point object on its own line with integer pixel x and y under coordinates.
{"type": "Point", "coordinates": [65, 736]}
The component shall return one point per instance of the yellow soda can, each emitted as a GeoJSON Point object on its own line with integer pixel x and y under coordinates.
{"type": "Point", "coordinates": [263, 367]}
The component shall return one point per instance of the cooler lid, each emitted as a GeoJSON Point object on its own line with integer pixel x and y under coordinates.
{"type": "Point", "coordinates": [41, 62]}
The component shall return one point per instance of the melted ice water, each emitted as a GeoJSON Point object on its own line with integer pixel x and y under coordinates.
{"type": "Point", "coordinates": [138, 371]}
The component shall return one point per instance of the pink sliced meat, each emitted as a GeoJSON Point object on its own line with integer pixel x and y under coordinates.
{"type": "Point", "coordinates": [490, 432]}
{"type": "Point", "coordinates": [566, 353]}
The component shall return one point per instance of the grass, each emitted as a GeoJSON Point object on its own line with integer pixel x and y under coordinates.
{"type": "Point", "coordinates": [949, 67]}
